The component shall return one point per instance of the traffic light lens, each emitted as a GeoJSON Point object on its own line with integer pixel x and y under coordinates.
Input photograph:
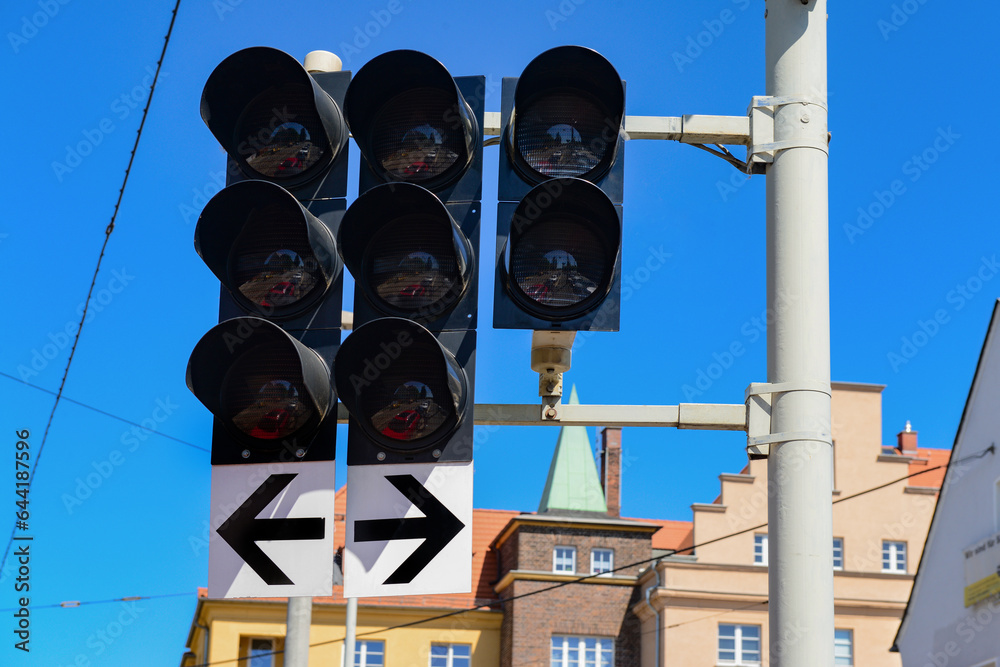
{"type": "Point", "coordinates": [563, 135]}
{"type": "Point", "coordinates": [413, 269]}
{"type": "Point", "coordinates": [413, 142]}
{"type": "Point", "coordinates": [406, 411]}
{"type": "Point", "coordinates": [272, 263]}
{"type": "Point", "coordinates": [263, 394]}
{"type": "Point", "coordinates": [278, 133]}
{"type": "Point", "coordinates": [559, 263]}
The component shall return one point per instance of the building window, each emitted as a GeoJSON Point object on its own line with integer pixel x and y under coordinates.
{"type": "Point", "coordinates": [601, 560]}
{"type": "Point", "coordinates": [760, 549]}
{"type": "Point", "coordinates": [893, 556]}
{"type": "Point", "coordinates": [582, 652]}
{"type": "Point", "coordinates": [260, 653]}
{"type": "Point", "coordinates": [451, 655]}
{"type": "Point", "coordinates": [564, 559]}
{"type": "Point", "coordinates": [370, 653]}
{"type": "Point", "coordinates": [739, 644]}
{"type": "Point", "coordinates": [838, 553]}
{"type": "Point", "coordinates": [843, 647]}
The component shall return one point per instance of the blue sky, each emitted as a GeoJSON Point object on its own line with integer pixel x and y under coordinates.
{"type": "Point", "coordinates": [913, 245]}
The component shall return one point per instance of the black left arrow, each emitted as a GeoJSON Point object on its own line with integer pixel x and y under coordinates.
{"type": "Point", "coordinates": [437, 528]}
{"type": "Point", "coordinates": [242, 530]}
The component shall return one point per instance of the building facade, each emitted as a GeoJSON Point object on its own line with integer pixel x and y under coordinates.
{"type": "Point", "coordinates": [953, 615]}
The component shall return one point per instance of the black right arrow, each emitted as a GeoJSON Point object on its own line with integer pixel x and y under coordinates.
{"type": "Point", "coordinates": [437, 528]}
{"type": "Point", "coordinates": [242, 530]}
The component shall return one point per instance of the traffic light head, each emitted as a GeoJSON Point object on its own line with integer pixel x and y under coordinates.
{"type": "Point", "coordinates": [560, 265]}
{"type": "Point", "coordinates": [409, 392]}
{"type": "Point", "coordinates": [279, 123]}
{"type": "Point", "coordinates": [270, 394]}
{"type": "Point", "coordinates": [275, 258]}
{"type": "Point", "coordinates": [414, 123]}
{"type": "Point", "coordinates": [563, 117]}
{"type": "Point", "coordinates": [410, 258]}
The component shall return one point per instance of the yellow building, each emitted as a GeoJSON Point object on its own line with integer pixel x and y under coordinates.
{"type": "Point", "coordinates": [710, 607]}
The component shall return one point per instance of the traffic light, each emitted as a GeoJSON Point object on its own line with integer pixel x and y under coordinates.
{"type": "Point", "coordinates": [265, 372]}
{"type": "Point", "coordinates": [406, 373]}
{"type": "Point", "coordinates": [559, 218]}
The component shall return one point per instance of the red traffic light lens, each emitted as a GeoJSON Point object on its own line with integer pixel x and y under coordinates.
{"type": "Point", "coordinates": [263, 394]}
{"type": "Point", "coordinates": [412, 140]}
{"type": "Point", "coordinates": [278, 133]}
{"type": "Point", "coordinates": [560, 263]}
{"type": "Point", "coordinates": [410, 411]}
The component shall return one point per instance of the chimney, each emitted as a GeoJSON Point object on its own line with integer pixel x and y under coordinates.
{"type": "Point", "coordinates": [611, 469]}
{"type": "Point", "coordinates": [907, 439]}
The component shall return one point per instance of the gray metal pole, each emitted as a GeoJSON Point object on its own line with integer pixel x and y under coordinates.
{"type": "Point", "coordinates": [297, 632]}
{"type": "Point", "coordinates": [351, 630]}
{"type": "Point", "coordinates": [800, 522]}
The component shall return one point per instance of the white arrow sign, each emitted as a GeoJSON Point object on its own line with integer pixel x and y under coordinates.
{"type": "Point", "coordinates": [409, 529]}
{"type": "Point", "coordinates": [272, 530]}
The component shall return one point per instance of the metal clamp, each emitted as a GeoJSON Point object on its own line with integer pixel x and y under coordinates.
{"type": "Point", "coordinates": [763, 148]}
{"type": "Point", "coordinates": [758, 402]}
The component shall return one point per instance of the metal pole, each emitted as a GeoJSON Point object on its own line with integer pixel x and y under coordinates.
{"type": "Point", "coordinates": [352, 631]}
{"type": "Point", "coordinates": [297, 632]}
{"type": "Point", "coordinates": [800, 471]}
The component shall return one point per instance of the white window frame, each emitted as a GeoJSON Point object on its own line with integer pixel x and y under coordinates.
{"type": "Point", "coordinates": [760, 549]}
{"type": "Point", "coordinates": [361, 651]}
{"type": "Point", "coordinates": [561, 559]}
{"type": "Point", "coordinates": [574, 647]}
{"type": "Point", "coordinates": [593, 560]}
{"type": "Point", "coordinates": [839, 642]}
{"type": "Point", "coordinates": [841, 549]}
{"type": "Point", "coordinates": [738, 650]}
{"type": "Point", "coordinates": [450, 657]}
{"type": "Point", "coordinates": [893, 549]}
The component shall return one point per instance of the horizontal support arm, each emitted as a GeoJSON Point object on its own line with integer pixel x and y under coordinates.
{"type": "Point", "coordinates": [692, 129]}
{"type": "Point", "coordinates": [706, 416]}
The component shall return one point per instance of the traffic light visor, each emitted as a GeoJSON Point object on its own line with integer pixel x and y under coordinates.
{"type": "Point", "coordinates": [273, 255]}
{"type": "Point", "coordinates": [272, 117]}
{"type": "Point", "coordinates": [260, 383]}
{"type": "Point", "coordinates": [568, 109]}
{"type": "Point", "coordinates": [410, 120]}
{"type": "Point", "coordinates": [562, 250]}
{"type": "Point", "coordinates": [406, 391]}
{"type": "Point", "coordinates": [406, 251]}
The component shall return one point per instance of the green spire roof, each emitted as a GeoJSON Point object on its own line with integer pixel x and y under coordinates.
{"type": "Point", "coordinates": [573, 483]}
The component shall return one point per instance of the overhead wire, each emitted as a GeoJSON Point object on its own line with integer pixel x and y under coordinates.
{"type": "Point", "coordinates": [36, 459]}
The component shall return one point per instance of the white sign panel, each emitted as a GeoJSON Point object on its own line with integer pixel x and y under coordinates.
{"type": "Point", "coordinates": [272, 530]}
{"type": "Point", "coordinates": [409, 529]}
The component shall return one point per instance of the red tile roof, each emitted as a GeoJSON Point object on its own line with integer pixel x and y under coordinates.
{"type": "Point", "coordinates": [925, 461]}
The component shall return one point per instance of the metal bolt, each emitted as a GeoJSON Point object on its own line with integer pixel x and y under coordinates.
{"type": "Point", "coordinates": [246, 453]}
{"type": "Point", "coordinates": [436, 453]}
{"type": "Point", "coordinates": [300, 453]}
{"type": "Point", "coordinates": [805, 118]}
{"type": "Point", "coordinates": [550, 413]}
{"type": "Point", "coordinates": [380, 456]}
{"type": "Point", "coordinates": [550, 387]}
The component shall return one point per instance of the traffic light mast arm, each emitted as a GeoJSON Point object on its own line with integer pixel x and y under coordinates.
{"type": "Point", "coordinates": [692, 129]}
{"type": "Point", "coordinates": [705, 416]}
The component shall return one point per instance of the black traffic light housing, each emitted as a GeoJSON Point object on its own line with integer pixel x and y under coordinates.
{"type": "Point", "coordinates": [410, 393]}
{"type": "Point", "coordinates": [279, 122]}
{"type": "Point", "coordinates": [559, 219]}
{"type": "Point", "coordinates": [270, 238]}
{"type": "Point", "coordinates": [413, 122]}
